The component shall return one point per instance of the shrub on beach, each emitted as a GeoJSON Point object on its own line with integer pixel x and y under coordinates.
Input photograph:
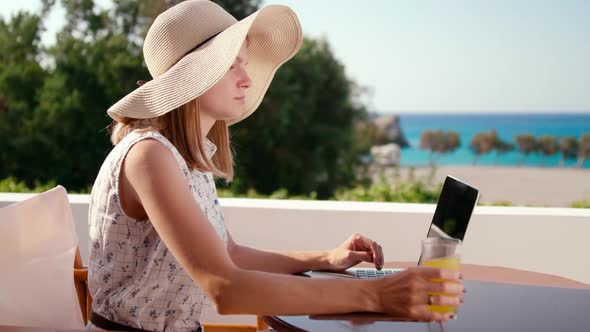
{"type": "Point", "coordinates": [402, 192]}
{"type": "Point", "coordinates": [501, 203]}
{"type": "Point", "coordinates": [583, 204]}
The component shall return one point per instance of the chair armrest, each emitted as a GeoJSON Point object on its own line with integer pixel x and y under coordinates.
{"type": "Point", "coordinates": [84, 298]}
{"type": "Point", "coordinates": [81, 274]}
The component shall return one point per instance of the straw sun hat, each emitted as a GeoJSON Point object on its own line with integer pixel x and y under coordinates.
{"type": "Point", "coordinates": [190, 46]}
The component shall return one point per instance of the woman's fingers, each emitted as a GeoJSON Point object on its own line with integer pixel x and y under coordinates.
{"type": "Point", "coordinates": [444, 300]}
{"type": "Point", "coordinates": [379, 257]}
{"type": "Point", "coordinates": [423, 313]}
{"type": "Point", "coordinates": [436, 273]}
{"type": "Point", "coordinates": [445, 287]}
{"type": "Point", "coordinates": [415, 290]}
{"type": "Point", "coordinates": [364, 243]}
{"type": "Point", "coordinates": [360, 256]}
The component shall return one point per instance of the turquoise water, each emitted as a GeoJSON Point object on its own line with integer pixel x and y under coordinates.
{"type": "Point", "coordinates": [507, 127]}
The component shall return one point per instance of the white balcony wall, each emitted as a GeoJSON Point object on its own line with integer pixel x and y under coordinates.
{"type": "Point", "coordinates": [547, 240]}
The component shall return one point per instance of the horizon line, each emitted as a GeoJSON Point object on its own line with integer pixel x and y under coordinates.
{"type": "Point", "coordinates": [487, 112]}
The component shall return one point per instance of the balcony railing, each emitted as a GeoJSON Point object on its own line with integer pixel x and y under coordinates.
{"type": "Point", "coordinates": [547, 240]}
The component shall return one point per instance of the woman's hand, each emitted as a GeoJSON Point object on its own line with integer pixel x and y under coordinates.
{"type": "Point", "coordinates": [407, 294]}
{"type": "Point", "coordinates": [354, 250]}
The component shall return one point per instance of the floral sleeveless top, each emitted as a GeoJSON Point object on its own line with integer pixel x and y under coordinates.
{"type": "Point", "coordinates": [133, 278]}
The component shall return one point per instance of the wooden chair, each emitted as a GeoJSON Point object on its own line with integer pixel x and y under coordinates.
{"type": "Point", "coordinates": [85, 300]}
{"type": "Point", "coordinates": [37, 243]}
{"type": "Point", "coordinates": [81, 284]}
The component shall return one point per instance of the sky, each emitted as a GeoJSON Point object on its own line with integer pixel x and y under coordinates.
{"type": "Point", "coordinates": [446, 56]}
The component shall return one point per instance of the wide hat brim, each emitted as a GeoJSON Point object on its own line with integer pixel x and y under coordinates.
{"type": "Point", "coordinates": [274, 36]}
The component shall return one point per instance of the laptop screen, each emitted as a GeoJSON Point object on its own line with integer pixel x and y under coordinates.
{"type": "Point", "coordinates": [453, 210]}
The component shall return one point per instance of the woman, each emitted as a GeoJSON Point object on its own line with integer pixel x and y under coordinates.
{"type": "Point", "coordinates": [159, 245]}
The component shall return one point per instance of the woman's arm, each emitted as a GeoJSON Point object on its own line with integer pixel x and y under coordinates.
{"type": "Point", "coordinates": [163, 192]}
{"type": "Point", "coordinates": [291, 262]}
{"type": "Point", "coordinates": [354, 250]}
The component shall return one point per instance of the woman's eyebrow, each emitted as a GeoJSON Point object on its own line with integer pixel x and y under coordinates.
{"type": "Point", "coordinates": [241, 60]}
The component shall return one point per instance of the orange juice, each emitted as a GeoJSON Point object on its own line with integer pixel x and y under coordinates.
{"type": "Point", "coordinates": [449, 263]}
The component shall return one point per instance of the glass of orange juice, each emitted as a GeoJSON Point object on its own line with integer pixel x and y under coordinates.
{"type": "Point", "coordinates": [444, 253]}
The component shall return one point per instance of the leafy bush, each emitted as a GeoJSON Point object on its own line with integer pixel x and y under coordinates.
{"type": "Point", "coordinates": [583, 204]}
{"type": "Point", "coordinates": [501, 203]}
{"type": "Point", "coordinates": [403, 192]}
{"type": "Point", "coordinates": [408, 191]}
{"type": "Point", "coordinates": [281, 193]}
{"type": "Point", "coordinates": [12, 185]}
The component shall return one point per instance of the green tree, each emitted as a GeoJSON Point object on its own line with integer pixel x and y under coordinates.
{"type": "Point", "coordinates": [367, 134]}
{"type": "Point", "coordinates": [302, 136]}
{"type": "Point", "coordinates": [548, 146]}
{"type": "Point", "coordinates": [482, 143]}
{"type": "Point", "coordinates": [239, 9]}
{"type": "Point", "coordinates": [21, 78]}
{"type": "Point", "coordinates": [568, 146]}
{"type": "Point", "coordinates": [137, 16]}
{"type": "Point", "coordinates": [502, 147]}
{"type": "Point", "coordinates": [527, 144]}
{"type": "Point", "coordinates": [452, 141]}
{"type": "Point", "coordinates": [54, 119]}
{"type": "Point", "coordinates": [54, 122]}
{"type": "Point", "coordinates": [439, 142]}
{"type": "Point", "coordinates": [428, 141]}
{"type": "Point", "coordinates": [94, 65]}
{"type": "Point", "coordinates": [583, 149]}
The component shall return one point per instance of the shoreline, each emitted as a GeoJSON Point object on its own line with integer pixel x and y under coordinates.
{"type": "Point", "coordinates": [513, 185]}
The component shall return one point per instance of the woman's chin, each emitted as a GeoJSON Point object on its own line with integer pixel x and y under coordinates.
{"type": "Point", "coordinates": [231, 115]}
{"type": "Point", "coordinates": [236, 113]}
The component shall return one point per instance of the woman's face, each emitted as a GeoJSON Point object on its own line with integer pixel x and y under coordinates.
{"type": "Point", "coordinates": [226, 99]}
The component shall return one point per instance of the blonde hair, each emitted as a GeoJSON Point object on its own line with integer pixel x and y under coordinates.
{"type": "Point", "coordinates": [182, 127]}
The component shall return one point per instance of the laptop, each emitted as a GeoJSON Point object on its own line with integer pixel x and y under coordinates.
{"type": "Point", "coordinates": [451, 218]}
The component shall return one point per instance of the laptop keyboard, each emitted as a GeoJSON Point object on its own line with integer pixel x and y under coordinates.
{"type": "Point", "coordinates": [372, 273]}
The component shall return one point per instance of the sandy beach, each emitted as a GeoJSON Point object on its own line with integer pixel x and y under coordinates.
{"type": "Point", "coordinates": [521, 186]}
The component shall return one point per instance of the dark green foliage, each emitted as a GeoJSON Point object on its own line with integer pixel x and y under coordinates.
{"type": "Point", "coordinates": [53, 116]}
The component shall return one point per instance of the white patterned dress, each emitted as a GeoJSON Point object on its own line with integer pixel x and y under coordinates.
{"type": "Point", "coordinates": [133, 278]}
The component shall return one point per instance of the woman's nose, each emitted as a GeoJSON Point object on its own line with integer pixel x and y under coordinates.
{"type": "Point", "coordinates": [245, 80]}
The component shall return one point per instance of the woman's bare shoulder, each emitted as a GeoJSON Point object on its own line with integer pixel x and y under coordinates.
{"type": "Point", "coordinates": [151, 157]}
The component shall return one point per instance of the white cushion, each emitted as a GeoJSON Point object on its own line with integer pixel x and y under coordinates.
{"type": "Point", "coordinates": [38, 244]}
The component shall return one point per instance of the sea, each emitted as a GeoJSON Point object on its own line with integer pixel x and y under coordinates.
{"type": "Point", "coordinates": [507, 126]}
